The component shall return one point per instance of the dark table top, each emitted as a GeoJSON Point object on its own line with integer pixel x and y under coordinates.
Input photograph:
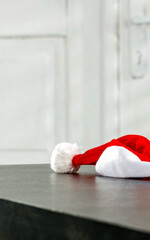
{"type": "Point", "coordinates": [123, 202]}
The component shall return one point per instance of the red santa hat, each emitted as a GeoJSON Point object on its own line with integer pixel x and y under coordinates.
{"type": "Point", "coordinates": [124, 157]}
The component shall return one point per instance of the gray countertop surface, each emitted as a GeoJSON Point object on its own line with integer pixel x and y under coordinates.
{"type": "Point", "coordinates": [123, 202]}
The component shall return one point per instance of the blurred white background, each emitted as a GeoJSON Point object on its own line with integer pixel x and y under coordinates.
{"type": "Point", "coordinates": [71, 70]}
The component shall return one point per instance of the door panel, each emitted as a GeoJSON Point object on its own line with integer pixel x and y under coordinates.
{"type": "Point", "coordinates": [32, 89]}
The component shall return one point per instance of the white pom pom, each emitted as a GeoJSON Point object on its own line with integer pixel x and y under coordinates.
{"type": "Point", "coordinates": [61, 159]}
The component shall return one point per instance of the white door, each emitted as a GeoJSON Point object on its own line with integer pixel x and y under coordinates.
{"type": "Point", "coordinates": [66, 74]}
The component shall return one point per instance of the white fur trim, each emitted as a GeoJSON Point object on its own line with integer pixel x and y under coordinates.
{"type": "Point", "coordinates": [61, 159]}
{"type": "Point", "coordinates": [117, 161]}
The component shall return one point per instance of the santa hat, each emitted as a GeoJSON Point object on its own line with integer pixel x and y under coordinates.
{"type": "Point", "coordinates": [127, 156]}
